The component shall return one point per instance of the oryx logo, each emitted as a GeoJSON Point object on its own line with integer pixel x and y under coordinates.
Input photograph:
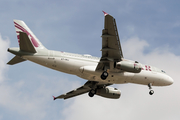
{"type": "Point", "coordinates": [33, 40]}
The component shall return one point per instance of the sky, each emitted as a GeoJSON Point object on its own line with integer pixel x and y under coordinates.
{"type": "Point", "coordinates": [149, 33]}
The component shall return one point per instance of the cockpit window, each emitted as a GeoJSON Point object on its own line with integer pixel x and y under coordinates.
{"type": "Point", "coordinates": [163, 71]}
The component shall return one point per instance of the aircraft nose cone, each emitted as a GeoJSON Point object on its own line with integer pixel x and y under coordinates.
{"type": "Point", "coordinates": [170, 81]}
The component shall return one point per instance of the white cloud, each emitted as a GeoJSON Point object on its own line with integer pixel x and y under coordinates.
{"type": "Point", "coordinates": [135, 102]}
{"type": "Point", "coordinates": [133, 48]}
{"type": "Point", "coordinates": [32, 98]}
{"type": "Point", "coordinates": [4, 44]}
{"type": "Point", "coordinates": [28, 97]}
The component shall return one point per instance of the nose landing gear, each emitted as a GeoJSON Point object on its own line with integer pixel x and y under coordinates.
{"type": "Point", "coordinates": [151, 92]}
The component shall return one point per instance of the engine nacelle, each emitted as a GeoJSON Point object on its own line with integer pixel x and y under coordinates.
{"type": "Point", "coordinates": [129, 66]}
{"type": "Point", "coordinates": [109, 92]}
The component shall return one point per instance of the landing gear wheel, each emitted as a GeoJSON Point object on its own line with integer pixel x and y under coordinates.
{"type": "Point", "coordinates": [104, 75]}
{"type": "Point", "coordinates": [92, 93]}
{"type": "Point", "coordinates": [151, 92]}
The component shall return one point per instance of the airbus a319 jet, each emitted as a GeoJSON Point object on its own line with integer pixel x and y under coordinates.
{"type": "Point", "coordinates": [100, 73]}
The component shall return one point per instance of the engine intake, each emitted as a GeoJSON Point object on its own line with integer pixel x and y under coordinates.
{"type": "Point", "coordinates": [109, 92]}
{"type": "Point", "coordinates": [129, 66]}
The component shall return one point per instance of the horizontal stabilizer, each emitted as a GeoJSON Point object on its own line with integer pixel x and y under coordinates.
{"type": "Point", "coordinates": [25, 43]}
{"type": "Point", "coordinates": [16, 60]}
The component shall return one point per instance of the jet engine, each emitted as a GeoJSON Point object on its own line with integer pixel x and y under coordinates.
{"type": "Point", "coordinates": [109, 92]}
{"type": "Point", "coordinates": [129, 66]}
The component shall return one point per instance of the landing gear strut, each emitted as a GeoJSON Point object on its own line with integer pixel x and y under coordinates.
{"type": "Point", "coordinates": [151, 92]}
{"type": "Point", "coordinates": [104, 75]}
{"type": "Point", "coordinates": [92, 93]}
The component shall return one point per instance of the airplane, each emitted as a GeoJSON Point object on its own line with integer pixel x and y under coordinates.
{"type": "Point", "coordinates": [100, 73]}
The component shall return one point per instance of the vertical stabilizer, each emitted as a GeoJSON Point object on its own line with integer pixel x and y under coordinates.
{"type": "Point", "coordinates": [20, 26]}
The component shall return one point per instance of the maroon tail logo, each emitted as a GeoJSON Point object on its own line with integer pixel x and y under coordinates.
{"type": "Point", "coordinates": [35, 43]}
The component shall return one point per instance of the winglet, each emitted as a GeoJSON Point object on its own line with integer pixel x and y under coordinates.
{"type": "Point", "coordinates": [54, 98]}
{"type": "Point", "coordinates": [105, 13]}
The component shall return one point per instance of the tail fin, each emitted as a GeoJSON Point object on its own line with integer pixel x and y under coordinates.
{"type": "Point", "coordinates": [21, 27]}
{"type": "Point", "coordinates": [28, 42]}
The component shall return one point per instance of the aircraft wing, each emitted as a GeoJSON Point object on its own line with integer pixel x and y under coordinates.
{"type": "Point", "coordinates": [89, 85]}
{"type": "Point", "coordinates": [81, 90]}
{"type": "Point", "coordinates": [111, 47]}
{"type": "Point", "coordinates": [73, 93]}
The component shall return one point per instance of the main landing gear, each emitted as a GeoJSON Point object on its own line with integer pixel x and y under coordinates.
{"type": "Point", "coordinates": [151, 92]}
{"type": "Point", "coordinates": [104, 75]}
{"type": "Point", "coordinates": [92, 93]}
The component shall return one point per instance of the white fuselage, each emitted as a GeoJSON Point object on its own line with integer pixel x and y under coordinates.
{"type": "Point", "coordinates": [84, 66]}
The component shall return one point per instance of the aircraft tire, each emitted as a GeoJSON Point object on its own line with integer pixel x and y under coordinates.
{"type": "Point", "coordinates": [92, 93]}
{"type": "Point", "coordinates": [151, 92]}
{"type": "Point", "coordinates": [104, 75]}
